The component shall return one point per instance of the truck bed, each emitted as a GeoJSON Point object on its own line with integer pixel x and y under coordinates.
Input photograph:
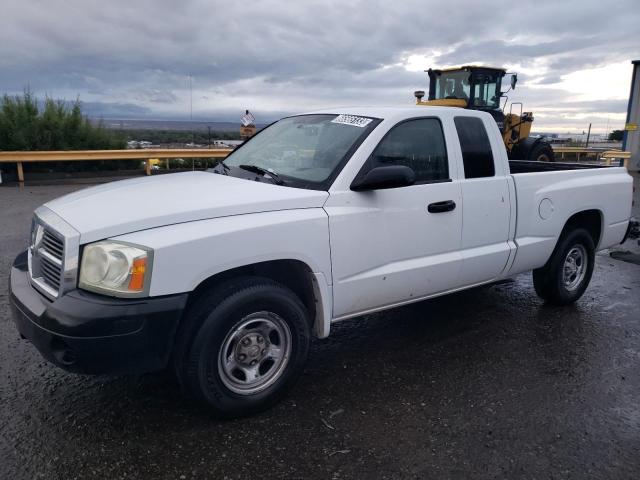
{"type": "Point", "coordinates": [551, 192]}
{"type": "Point", "coordinates": [531, 166]}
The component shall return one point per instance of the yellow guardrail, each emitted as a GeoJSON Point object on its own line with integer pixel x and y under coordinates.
{"type": "Point", "coordinates": [600, 154]}
{"type": "Point", "coordinates": [79, 155]}
{"type": "Point", "coordinates": [618, 155]}
{"type": "Point", "coordinates": [150, 154]}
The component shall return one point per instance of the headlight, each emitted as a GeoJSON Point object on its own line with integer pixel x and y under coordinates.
{"type": "Point", "coordinates": [116, 268]}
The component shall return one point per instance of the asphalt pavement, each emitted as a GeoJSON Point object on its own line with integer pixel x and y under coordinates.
{"type": "Point", "coordinates": [488, 383]}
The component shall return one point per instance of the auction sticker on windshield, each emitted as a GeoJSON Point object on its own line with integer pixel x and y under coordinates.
{"type": "Point", "coordinates": [352, 120]}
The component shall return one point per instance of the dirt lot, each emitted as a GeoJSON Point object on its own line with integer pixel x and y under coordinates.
{"type": "Point", "coordinates": [488, 383]}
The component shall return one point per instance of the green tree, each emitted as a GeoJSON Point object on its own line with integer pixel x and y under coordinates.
{"type": "Point", "coordinates": [28, 124]}
{"type": "Point", "coordinates": [24, 125]}
{"type": "Point", "coordinates": [616, 135]}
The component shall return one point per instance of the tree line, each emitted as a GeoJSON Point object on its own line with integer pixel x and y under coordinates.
{"type": "Point", "coordinates": [28, 124]}
{"type": "Point", "coordinates": [616, 135]}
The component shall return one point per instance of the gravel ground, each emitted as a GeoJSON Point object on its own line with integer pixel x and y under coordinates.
{"type": "Point", "coordinates": [488, 383]}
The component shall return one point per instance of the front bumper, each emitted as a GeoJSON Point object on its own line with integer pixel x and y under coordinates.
{"type": "Point", "coordinates": [87, 333]}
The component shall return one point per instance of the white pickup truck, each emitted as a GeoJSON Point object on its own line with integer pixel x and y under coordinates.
{"type": "Point", "coordinates": [225, 275]}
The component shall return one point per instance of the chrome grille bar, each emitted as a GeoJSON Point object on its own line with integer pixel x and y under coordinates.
{"type": "Point", "coordinates": [53, 245]}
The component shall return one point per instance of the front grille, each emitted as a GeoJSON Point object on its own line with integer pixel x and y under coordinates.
{"type": "Point", "coordinates": [53, 254]}
{"type": "Point", "coordinates": [47, 259]}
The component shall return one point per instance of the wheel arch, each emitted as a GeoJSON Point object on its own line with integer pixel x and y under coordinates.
{"type": "Point", "coordinates": [550, 281]}
{"type": "Point", "coordinates": [591, 220]}
{"type": "Point", "coordinates": [296, 275]}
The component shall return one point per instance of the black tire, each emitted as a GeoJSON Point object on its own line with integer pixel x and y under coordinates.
{"type": "Point", "coordinates": [550, 282]}
{"type": "Point", "coordinates": [542, 152]}
{"type": "Point", "coordinates": [214, 320]}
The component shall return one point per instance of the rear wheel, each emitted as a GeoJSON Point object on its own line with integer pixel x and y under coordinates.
{"type": "Point", "coordinates": [542, 152]}
{"type": "Point", "coordinates": [244, 346]}
{"type": "Point", "coordinates": [568, 272]}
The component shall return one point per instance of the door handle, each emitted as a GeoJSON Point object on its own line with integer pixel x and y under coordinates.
{"type": "Point", "coordinates": [439, 207]}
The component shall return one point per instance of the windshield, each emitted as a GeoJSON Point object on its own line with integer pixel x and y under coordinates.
{"type": "Point", "coordinates": [457, 85]}
{"type": "Point", "coordinates": [453, 85]}
{"type": "Point", "coordinates": [303, 151]}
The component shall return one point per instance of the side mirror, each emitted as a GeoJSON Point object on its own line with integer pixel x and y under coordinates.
{"type": "Point", "coordinates": [514, 80]}
{"type": "Point", "coordinates": [378, 178]}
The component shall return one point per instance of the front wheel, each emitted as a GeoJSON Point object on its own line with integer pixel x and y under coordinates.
{"type": "Point", "coordinates": [568, 272]}
{"type": "Point", "coordinates": [247, 345]}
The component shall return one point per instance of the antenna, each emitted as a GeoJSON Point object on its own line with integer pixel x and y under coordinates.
{"type": "Point", "coordinates": [190, 98]}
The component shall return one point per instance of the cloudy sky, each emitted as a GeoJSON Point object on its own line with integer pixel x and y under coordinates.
{"type": "Point", "coordinates": [133, 59]}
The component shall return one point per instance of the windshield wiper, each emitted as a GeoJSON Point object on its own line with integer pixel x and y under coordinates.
{"type": "Point", "coordinates": [262, 171]}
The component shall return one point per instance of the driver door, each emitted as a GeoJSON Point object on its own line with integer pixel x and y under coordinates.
{"type": "Point", "coordinates": [387, 247]}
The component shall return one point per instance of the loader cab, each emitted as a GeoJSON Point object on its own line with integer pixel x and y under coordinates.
{"type": "Point", "coordinates": [477, 88]}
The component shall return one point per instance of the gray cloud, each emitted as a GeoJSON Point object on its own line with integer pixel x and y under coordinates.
{"type": "Point", "coordinates": [596, 106]}
{"type": "Point", "coordinates": [549, 80]}
{"type": "Point", "coordinates": [133, 58]}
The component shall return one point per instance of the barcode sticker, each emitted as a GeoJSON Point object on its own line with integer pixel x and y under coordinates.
{"type": "Point", "coordinates": [352, 120]}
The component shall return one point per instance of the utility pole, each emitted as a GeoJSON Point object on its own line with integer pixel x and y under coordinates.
{"type": "Point", "coordinates": [631, 139]}
{"type": "Point", "coordinates": [193, 135]}
{"type": "Point", "coordinates": [588, 135]}
{"type": "Point", "coordinates": [191, 108]}
{"type": "Point", "coordinates": [190, 97]}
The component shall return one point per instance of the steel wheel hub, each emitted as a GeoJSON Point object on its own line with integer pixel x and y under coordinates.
{"type": "Point", "coordinates": [251, 349]}
{"type": "Point", "coordinates": [254, 353]}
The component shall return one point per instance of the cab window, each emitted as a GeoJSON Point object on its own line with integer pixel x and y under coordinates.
{"type": "Point", "coordinates": [486, 91]}
{"type": "Point", "coordinates": [477, 155]}
{"type": "Point", "coordinates": [418, 144]}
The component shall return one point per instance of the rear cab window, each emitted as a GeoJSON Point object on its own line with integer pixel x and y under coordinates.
{"type": "Point", "coordinates": [477, 154]}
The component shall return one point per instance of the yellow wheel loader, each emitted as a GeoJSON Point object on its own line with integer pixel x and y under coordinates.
{"type": "Point", "coordinates": [479, 88]}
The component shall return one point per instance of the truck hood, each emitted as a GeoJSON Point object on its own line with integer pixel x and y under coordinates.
{"type": "Point", "coordinates": [138, 204]}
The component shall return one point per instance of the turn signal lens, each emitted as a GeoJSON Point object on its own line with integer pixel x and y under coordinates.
{"type": "Point", "coordinates": [136, 282]}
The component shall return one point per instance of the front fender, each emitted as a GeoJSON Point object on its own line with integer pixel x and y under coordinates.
{"type": "Point", "coordinates": [186, 254]}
